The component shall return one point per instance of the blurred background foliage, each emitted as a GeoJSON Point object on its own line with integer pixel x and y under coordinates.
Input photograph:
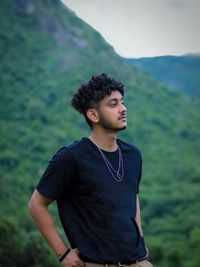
{"type": "Point", "coordinates": [46, 52]}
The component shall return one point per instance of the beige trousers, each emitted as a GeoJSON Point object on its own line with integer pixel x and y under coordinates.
{"type": "Point", "coordinates": [144, 263]}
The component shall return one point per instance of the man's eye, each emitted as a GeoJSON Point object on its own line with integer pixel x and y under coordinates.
{"type": "Point", "coordinates": [113, 104]}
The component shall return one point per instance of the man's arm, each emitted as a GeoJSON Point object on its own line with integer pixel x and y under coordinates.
{"type": "Point", "coordinates": [38, 207]}
{"type": "Point", "coordinates": [137, 217]}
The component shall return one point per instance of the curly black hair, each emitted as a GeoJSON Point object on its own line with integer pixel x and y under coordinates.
{"type": "Point", "coordinates": [92, 92]}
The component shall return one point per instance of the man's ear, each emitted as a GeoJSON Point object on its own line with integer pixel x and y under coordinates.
{"type": "Point", "coordinates": [92, 115]}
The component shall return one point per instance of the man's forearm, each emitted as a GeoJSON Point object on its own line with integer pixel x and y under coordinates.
{"type": "Point", "coordinates": [45, 223]}
{"type": "Point", "coordinates": [138, 218]}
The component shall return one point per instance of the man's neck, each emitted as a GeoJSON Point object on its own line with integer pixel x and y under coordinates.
{"type": "Point", "coordinates": [105, 141]}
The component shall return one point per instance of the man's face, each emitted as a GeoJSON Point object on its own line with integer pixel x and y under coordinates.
{"type": "Point", "coordinates": [112, 112]}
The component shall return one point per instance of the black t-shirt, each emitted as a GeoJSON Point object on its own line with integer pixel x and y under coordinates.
{"type": "Point", "coordinates": [97, 212]}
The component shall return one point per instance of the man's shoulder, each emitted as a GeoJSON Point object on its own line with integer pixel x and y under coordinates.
{"type": "Point", "coordinates": [128, 147]}
{"type": "Point", "coordinates": [62, 154]}
{"type": "Point", "coordinates": [66, 152]}
{"type": "Point", "coordinates": [77, 145]}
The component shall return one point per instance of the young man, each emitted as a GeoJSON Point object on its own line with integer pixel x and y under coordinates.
{"type": "Point", "coordinates": [95, 182]}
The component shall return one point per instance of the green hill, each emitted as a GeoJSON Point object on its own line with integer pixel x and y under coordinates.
{"type": "Point", "coordinates": [179, 72]}
{"type": "Point", "coordinates": [46, 53]}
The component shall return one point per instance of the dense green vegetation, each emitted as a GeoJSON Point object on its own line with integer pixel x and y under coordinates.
{"type": "Point", "coordinates": [179, 72]}
{"type": "Point", "coordinates": [46, 53]}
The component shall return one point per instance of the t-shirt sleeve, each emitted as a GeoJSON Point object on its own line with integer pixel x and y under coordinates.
{"type": "Point", "coordinates": [58, 174]}
{"type": "Point", "coordinates": [139, 176]}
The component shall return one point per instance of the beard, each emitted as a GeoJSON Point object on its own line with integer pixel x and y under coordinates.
{"type": "Point", "coordinates": [108, 126]}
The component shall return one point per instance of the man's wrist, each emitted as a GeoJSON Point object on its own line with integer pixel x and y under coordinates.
{"type": "Point", "coordinates": [64, 255]}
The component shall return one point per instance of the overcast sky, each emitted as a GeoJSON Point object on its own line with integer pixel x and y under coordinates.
{"type": "Point", "coordinates": [140, 28]}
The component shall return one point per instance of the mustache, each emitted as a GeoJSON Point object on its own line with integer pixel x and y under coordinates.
{"type": "Point", "coordinates": [122, 116]}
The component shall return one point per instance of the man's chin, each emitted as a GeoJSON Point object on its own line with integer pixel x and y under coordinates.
{"type": "Point", "coordinates": [122, 128]}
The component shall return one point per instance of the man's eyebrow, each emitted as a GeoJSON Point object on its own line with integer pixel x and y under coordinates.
{"type": "Point", "coordinates": [115, 99]}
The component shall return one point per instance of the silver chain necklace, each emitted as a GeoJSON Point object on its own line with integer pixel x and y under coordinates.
{"type": "Point", "coordinates": [118, 174]}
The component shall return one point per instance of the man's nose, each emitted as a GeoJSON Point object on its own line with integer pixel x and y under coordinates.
{"type": "Point", "coordinates": [122, 108]}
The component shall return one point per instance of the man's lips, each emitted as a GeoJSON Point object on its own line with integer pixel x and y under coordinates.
{"type": "Point", "coordinates": [123, 117]}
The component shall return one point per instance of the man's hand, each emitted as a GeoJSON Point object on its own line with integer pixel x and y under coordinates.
{"type": "Point", "coordinates": [72, 259]}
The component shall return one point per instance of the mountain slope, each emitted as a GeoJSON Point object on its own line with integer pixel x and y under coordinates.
{"type": "Point", "coordinates": [46, 53]}
{"type": "Point", "coordinates": [179, 72]}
